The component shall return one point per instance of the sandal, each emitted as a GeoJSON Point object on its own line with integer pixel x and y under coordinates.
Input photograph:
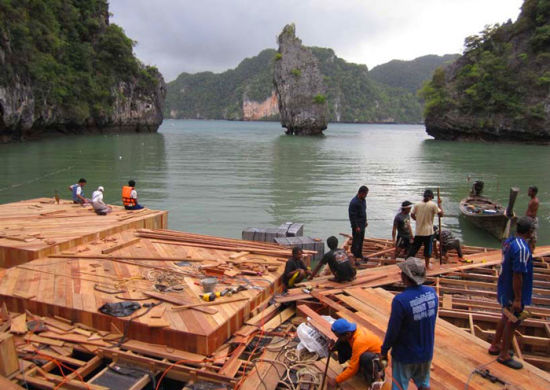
{"type": "Point", "coordinates": [511, 363]}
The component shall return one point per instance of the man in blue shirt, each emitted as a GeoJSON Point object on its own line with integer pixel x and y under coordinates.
{"type": "Point", "coordinates": [357, 211]}
{"type": "Point", "coordinates": [411, 328]}
{"type": "Point", "coordinates": [514, 290]}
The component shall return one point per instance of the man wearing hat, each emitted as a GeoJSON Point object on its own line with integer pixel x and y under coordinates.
{"type": "Point", "coordinates": [514, 289]}
{"type": "Point", "coordinates": [423, 213]}
{"type": "Point", "coordinates": [365, 352]}
{"type": "Point", "coordinates": [402, 226]}
{"type": "Point", "coordinates": [97, 202]}
{"type": "Point", "coordinates": [411, 328]}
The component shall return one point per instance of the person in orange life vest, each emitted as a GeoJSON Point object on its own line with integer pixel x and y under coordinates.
{"type": "Point", "coordinates": [78, 192]}
{"type": "Point", "coordinates": [129, 197]}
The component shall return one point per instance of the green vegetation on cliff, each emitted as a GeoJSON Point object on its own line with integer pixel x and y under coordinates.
{"type": "Point", "coordinates": [498, 89]}
{"type": "Point", "coordinates": [69, 55]}
{"type": "Point", "coordinates": [353, 94]}
{"type": "Point", "coordinates": [208, 95]}
{"type": "Point", "coordinates": [409, 75]}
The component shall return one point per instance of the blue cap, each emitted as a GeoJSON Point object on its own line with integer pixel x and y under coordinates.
{"type": "Point", "coordinates": [342, 325]}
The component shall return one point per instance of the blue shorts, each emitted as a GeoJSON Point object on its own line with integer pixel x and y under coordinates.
{"type": "Point", "coordinates": [402, 373]}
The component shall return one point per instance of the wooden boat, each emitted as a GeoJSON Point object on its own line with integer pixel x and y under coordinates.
{"type": "Point", "coordinates": [487, 214]}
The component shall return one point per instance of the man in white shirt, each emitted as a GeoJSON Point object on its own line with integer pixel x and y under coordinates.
{"type": "Point", "coordinates": [423, 213]}
{"type": "Point", "coordinates": [97, 202]}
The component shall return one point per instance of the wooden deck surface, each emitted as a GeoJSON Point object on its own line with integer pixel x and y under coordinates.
{"type": "Point", "coordinates": [457, 353]}
{"type": "Point", "coordinates": [68, 287]}
{"type": "Point", "coordinates": [35, 228]}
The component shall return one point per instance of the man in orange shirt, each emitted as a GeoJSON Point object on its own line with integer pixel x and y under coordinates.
{"type": "Point", "coordinates": [365, 352]}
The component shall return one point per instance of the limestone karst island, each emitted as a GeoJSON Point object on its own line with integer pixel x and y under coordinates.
{"type": "Point", "coordinates": [263, 195]}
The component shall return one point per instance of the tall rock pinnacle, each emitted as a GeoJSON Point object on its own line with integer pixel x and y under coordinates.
{"type": "Point", "coordinates": [299, 86]}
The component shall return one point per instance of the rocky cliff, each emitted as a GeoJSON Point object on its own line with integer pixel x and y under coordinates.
{"type": "Point", "coordinates": [299, 86]}
{"type": "Point", "coordinates": [65, 69]}
{"type": "Point", "coordinates": [387, 93]}
{"type": "Point", "coordinates": [499, 89]}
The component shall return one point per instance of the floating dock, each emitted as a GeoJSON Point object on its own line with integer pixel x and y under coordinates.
{"type": "Point", "coordinates": [35, 228]}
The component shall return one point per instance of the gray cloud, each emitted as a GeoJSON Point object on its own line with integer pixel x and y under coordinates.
{"type": "Point", "coordinates": [192, 35]}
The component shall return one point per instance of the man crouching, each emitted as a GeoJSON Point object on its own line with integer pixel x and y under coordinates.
{"type": "Point", "coordinates": [362, 349]}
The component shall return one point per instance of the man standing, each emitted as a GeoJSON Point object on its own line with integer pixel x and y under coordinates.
{"type": "Point", "coordinates": [514, 290]}
{"type": "Point", "coordinates": [402, 225]}
{"type": "Point", "coordinates": [411, 328]}
{"type": "Point", "coordinates": [338, 261]}
{"type": "Point", "coordinates": [78, 192]}
{"type": "Point", "coordinates": [423, 213]}
{"type": "Point", "coordinates": [295, 269]}
{"type": "Point", "coordinates": [129, 197]}
{"type": "Point", "coordinates": [357, 211]}
{"type": "Point", "coordinates": [365, 352]}
{"type": "Point", "coordinates": [532, 209]}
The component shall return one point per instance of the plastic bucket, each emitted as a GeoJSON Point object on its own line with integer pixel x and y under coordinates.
{"type": "Point", "coordinates": [208, 284]}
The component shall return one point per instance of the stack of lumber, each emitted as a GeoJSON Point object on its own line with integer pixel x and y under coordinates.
{"type": "Point", "coordinates": [36, 228]}
{"type": "Point", "coordinates": [211, 242]}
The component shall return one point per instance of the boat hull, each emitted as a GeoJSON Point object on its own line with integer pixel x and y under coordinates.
{"type": "Point", "coordinates": [486, 215]}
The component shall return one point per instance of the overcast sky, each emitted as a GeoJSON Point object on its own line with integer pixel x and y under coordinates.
{"type": "Point", "coordinates": [198, 35]}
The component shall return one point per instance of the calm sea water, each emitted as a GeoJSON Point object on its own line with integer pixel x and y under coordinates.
{"type": "Point", "coordinates": [217, 177]}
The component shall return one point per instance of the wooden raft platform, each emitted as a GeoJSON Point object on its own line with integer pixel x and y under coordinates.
{"type": "Point", "coordinates": [456, 355]}
{"type": "Point", "coordinates": [125, 266]}
{"type": "Point", "coordinates": [35, 228]}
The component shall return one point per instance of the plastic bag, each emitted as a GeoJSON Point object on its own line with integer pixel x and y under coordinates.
{"type": "Point", "coordinates": [311, 339]}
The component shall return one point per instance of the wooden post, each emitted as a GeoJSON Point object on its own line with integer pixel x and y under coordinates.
{"type": "Point", "coordinates": [439, 221]}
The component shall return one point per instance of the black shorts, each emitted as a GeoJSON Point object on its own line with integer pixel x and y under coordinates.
{"type": "Point", "coordinates": [403, 242]}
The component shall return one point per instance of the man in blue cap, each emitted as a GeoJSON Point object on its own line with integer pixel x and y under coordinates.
{"type": "Point", "coordinates": [411, 328]}
{"type": "Point", "coordinates": [365, 352]}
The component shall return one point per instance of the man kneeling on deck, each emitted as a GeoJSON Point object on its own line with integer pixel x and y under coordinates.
{"type": "Point", "coordinates": [295, 269]}
{"type": "Point", "coordinates": [411, 328]}
{"type": "Point", "coordinates": [338, 261]}
{"type": "Point", "coordinates": [362, 349]}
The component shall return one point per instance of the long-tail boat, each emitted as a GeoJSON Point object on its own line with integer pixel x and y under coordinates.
{"type": "Point", "coordinates": [487, 214]}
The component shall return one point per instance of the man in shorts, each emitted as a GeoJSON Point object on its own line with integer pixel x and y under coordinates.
{"type": "Point", "coordinates": [402, 226]}
{"type": "Point", "coordinates": [423, 213]}
{"type": "Point", "coordinates": [514, 290]}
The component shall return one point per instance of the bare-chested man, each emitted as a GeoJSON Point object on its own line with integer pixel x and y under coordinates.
{"type": "Point", "coordinates": [532, 209]}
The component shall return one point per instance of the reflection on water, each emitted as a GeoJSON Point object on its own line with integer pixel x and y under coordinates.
{"type": "Point", "coordinates": [218, 177]}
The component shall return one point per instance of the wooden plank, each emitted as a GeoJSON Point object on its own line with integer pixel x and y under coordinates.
{"type": "Point", "coordinates": [8, 355]}
{"type": "Point", "coordinates": [221, 301]}
{"type": "Point", "coordinates": [19, 324]}
{"type": "Point", "coordinates": [178, 301]}
{"type": "Point", "coordinates": [34, 338]}
{"type": "Point", "coordinates": [6, 384]}
{"type": "Point", "coordinates": [264, 315]}
{"type": "Point", "coordinates": [178, 371]}
{"type": "Point", "coordinates": [318, 322]}
{"type": "Point", "coordinates": [162, 351]}
{"type": "Point", "coordinates": [115, 248]}
{"type": "Point", "coordinates": [279, 319]}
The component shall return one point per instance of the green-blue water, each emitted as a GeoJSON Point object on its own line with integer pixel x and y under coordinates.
{"type": "Point", "coordinates": [217, 177]}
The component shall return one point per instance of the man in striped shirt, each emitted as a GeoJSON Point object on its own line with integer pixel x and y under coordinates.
{"type": "Point", "coordinates": [515, 287]}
